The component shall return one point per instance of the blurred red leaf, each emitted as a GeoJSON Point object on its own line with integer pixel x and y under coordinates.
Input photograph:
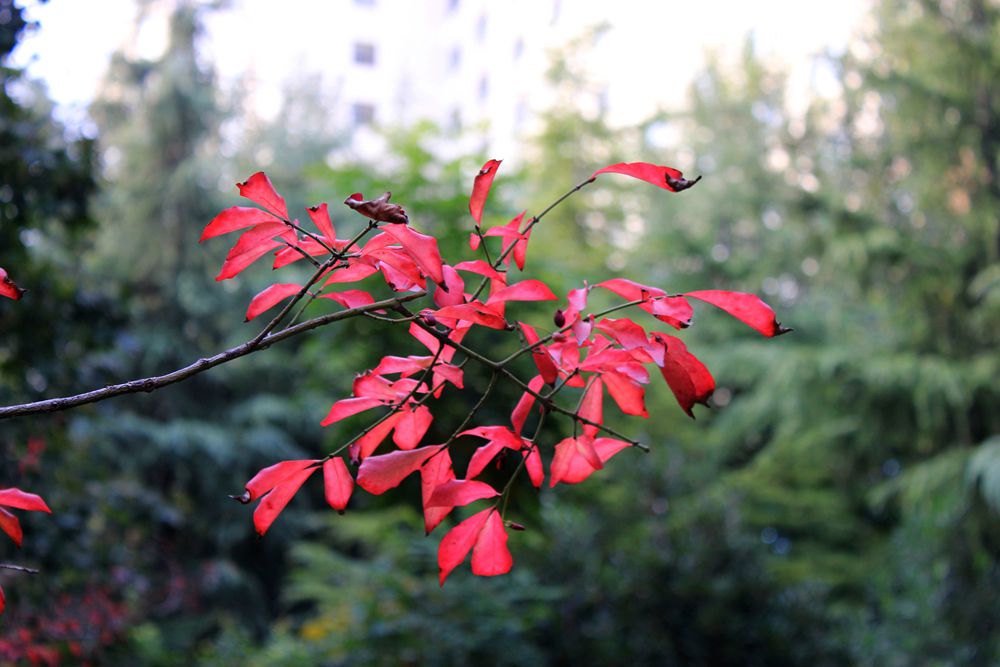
{"type": "Point", "coordinates": [23, 500]}
{"type": "Point", "coordinates": [8, 288]}
{"type": "Point", "coordinates": [10, 525]}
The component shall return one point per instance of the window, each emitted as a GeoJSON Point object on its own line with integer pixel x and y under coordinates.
{"type": "Point", "coordinates": [365, 3]}
{"type": "Point", "coordinates": [452, 5]}
{"type": "Point", "coordinates": [455, 59]}
{"type": "Point", "coordinates": [364, 113]}
{"type": "Point", "coordinates": [484, 87]}
{"type": "Point", "coordinates": [364, 53]}
{"type": "Point", "coordinates": [481, 26]}
{"type": "Point", "coordinates": [518, 48]}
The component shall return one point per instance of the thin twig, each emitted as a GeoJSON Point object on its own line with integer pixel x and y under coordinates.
{"type": "Point", "coordinates": [156, 382]}
{"type": "Point", "coordinates": [18, 568]}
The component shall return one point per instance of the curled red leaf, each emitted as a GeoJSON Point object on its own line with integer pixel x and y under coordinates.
{"type": "Point", "coordinates": [667, 178]}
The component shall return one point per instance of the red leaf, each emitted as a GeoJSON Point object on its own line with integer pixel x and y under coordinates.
{"type": "Point", "coordinates": [481, 268]}
{"type": "Point", "coordinates": [533, 462]}
{"type": "Point", "coordinates": [687, 377]}
{"type": "Point", "coordinates": [543, 361]}
{"type": "Point", "coordinates": [378, 209]}
{"type": "Point", "coordinates": [511, 233]}
{"type": "Point", "coordinates": [482, 457]}
{"type": "Point", "coordinates": [674, 310]}
{"type": "Point", "coordinates": [526, 290]}
{"type": "Point", "coordinates": [481, 188]}
{"type": "Point", "coordinates": [23, 500]}
{"type": "Point", "coordinates": [747, 308]}
{"type": "Point", "coordinates": [269, 297]}
{"type": "Point", "coordinates": [524, 405]}
{"type": "Point", "coordinates": [351, 298]}
{"type": "Point", "coordinates": [412, 427]}
{"type": "Point", "coordinates": [306, 244]}
{"type": "Point", "coordinates": [667, 178]}
{"type": "Point", "coordinates": [349, 406]}
{"type": "Point", "coordinates": [570, 466]}
{"type": "Point", "coordinates": [277, 499]}
{"type": "Point", "coordinates": [351, 274]}
{"type": "Point", "coordinates": [320, 215]}
{"type": "Point", "coordinates": [628, 394]}
{"type": "Point", "coordinates": [236, 217]}
{"type": "Point", "coordinates": [254, 244]}
{"type": "Point", "coordinates": [269, 477]}
{"type": "Point", "coordinates": [10, 525]}
{"type": "Point", "coordinates": [433, 474]}
{"type": "Point", "coordinates": [422, 248]}
{"type": "Point", "coordinates": [475, 312]}
{"type": "Point", "coordinates": [499, 437]}
{"type": "Point", "coordinates": [8, 288]}
{"type": "Point", "coordinates": [259, 190]}
{"type": "Point", "coordinates": [631, 290]}
{"type": "Point", "coordinates": [625, 332]}
{"type": "Point", "coordinates": [369, 442]}
{"type": "Point", "coordinates": [592, 408]}
{"type": "Point", "coordinates": [459, 541]}
{"type": "Point", "coordinates": [521, 249]}
{"type": "Point", "coordinates": [454, 295]}
{"type": "Point", "coordinates": [337, 483]}
{"type": "Point", "coordinates": [456, 493]}
{"type": "Point", "coordinates": [490, 555]}
{"type": "Point", "coordinates": [378, 474]}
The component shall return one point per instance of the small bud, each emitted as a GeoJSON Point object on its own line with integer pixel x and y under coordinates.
{"type": "Point", "coordinates": [513, 525]}
{"type": "Point", "coordinates": [244, 499]}
{"type": "Point", "coordinates": [429, 319]}
{"type": "Point", "coordinates": [559, 318]}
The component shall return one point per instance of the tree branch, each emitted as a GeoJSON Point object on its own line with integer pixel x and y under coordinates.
{"type": "Point", "coordinates": [156, 382]}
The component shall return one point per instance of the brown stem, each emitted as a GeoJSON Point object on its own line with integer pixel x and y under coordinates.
{"type": "Point", "coordinates": [156, 382]}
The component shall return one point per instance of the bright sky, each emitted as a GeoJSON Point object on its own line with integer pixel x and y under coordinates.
{"type": "Point", "coordinates": [77, 37]}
